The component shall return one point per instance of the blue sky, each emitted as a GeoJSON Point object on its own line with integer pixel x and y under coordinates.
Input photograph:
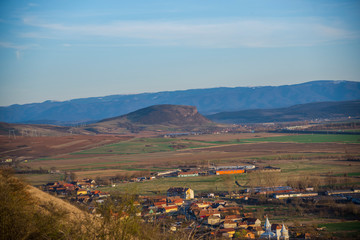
{"type": "Point", "coordinates": [60, 50]}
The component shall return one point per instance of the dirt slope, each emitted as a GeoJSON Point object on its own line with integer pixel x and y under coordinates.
{"type": "Point", "coordinates": [44, 200]}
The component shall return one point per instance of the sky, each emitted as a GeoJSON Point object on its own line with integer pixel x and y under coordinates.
{"type": "Point", "coordinates": [64, 49]}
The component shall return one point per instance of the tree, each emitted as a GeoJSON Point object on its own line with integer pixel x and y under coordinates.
{"type": "Point", "coordinates": [72, 176]}
{"type": "Point", "coordinates": [241, 234]}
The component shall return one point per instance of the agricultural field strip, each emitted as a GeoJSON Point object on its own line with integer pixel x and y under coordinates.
{"type": "Point", "coordinates": [342, 226]}
{"type": "Point", "coordinates": [68, 144]}
{"type": "Point", "coordinates": [113, 165]}
{"type": "Point", "coordinates": [316, 167]}
{"type": "Point", "coordinates": [295, 156]}
{"type": "Point", "coordinates": [350, 174]}
{"type": "Point", "coordinates": [150, 145]}
{"type": "Point", "coordinates": [199, 184]}
{"type": "Point", "coordinates": [13, 150]}
{"type": "Point", "coordinates": [308, 138]}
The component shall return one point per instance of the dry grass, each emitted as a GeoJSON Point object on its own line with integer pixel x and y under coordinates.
{"type": "Point", "coordinates": [44, 199]}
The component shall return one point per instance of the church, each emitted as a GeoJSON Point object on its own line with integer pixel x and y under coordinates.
{"type": "Point", "coordinates": [274, 231]}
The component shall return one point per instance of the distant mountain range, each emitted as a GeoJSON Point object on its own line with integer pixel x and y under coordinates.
{"type": "Point", "coordinates": [207, 101]}
{"type": "Point", "coordinates": [166, 117]}
{"type": "Point", "coordinates": [309, 111]}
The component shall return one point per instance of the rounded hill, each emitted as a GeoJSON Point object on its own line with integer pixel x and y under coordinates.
{"type": "Point", "coordinates": [165, 114]}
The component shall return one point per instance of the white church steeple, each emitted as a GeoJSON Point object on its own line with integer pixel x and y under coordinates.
{"type": "Point", "coordinates": [284, 233]}
{"type": "Point", "coordinates": [268, 234]}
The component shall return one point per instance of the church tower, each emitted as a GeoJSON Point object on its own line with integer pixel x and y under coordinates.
{"type": "Point", "coordinates": [268, 234]}
{"type": "Point", "coordinates": [284, 233]}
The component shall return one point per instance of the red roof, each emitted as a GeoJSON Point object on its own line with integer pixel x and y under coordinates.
{"type": "Point", "coordinates": [171, 207]}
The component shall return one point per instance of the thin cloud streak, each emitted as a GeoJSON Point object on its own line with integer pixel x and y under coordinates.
{"type": "Point", "coordinates": [220, 34]}
{"type": "Point", "coordinates": [18, 48]}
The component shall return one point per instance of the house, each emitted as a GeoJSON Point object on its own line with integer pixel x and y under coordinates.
{"type": "Point", "coordinates": [160, 204]}
{"type": "Point", "coordinates": [258, 231]}
{"type": "Point", "coordinates": [86, 183]}
{"type": "Point", "coordinates": [220, 202]}
{"type": "Point", "coordinates": [249, 235]}
{"type": "Point", "coordinates": [220, 207]}
{"type": "Point", "coordinates": [253, 222]}
{"type": "Point", "coordinates": [233, 217]}
{"type": "Point", "coordinates": [175, 200]}
{"type": "Point", "coordinates": [230, 210]}
{"type": "Point", "coordinates": [227, 232]}
{"type": "Point", "coordinates": [202, 204]}
{"type": "Point", "coordinates": [230, 224]}
{"type": "Point", "coordinates": [248, 214]}
{"type": "Point", "coordinates": [188, 174]}
{"type": "Point", "coordinates": [184, 193]}
{"type": "Point", "coordinates": [81, 192]}
{"type": "Point", "coordinates": [242, 225]}
{"type": "Point", "coordinates": [203, 213]}
{"type": "Point", "coordinates": [69, 186]}
{"type": "Point", "coordinates": [338, 192]}
{"type": "Point", "coordinates": [172, 208]}
{"type": "Point", "coordinates": [213, 220]}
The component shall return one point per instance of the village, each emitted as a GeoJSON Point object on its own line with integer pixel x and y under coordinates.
{"type": "Point", "coordinates": [220, 214]}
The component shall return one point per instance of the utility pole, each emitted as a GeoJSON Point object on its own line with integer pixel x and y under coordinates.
{"type": "Point", "coordinates": [12, 133]}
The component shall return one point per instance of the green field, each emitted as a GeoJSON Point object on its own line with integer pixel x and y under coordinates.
{"type": "Point", "coordinates": [351, 174]}
{"type": "Point", "coordinates": [198, 184]}
{"type": "Point", "coordinates": [145, 145]}
{"type": "Point", "coordinates": [342, 226]}
{"type": "Point", "coordinates": [152, 145]}
{"type": "Point", "coordinates": [295, 156]}
{"type": "Point", "coordinates": [308, 138]}
{"type": "Point", "coordinates": [343, 230]}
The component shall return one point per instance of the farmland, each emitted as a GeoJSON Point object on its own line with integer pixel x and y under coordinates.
{"type": "Point", "coordinates": [305, 138]}
{"type": "Point", "coordinates": [343, 230]}
{"type": "Point", "coordinates": [199, 184]}
{"type": "Point", "coordinates": [296, 155]}
{"type": "Point", "coordinates": [145, 145]}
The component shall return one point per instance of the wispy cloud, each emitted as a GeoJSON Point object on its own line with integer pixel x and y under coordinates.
{"type": "Point", "coordinates": [226, 33]}
{"type": "Point", "coordinates": [18, 48]}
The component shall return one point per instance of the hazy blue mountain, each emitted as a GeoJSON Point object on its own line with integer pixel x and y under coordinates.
{"type": "Point", "coordinates": [301, 112]}
{"type": "Point", "coordinates": [207, 101]}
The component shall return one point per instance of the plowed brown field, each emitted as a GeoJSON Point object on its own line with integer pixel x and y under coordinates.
{"type": "Point", "coordinates": [35, 147]}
